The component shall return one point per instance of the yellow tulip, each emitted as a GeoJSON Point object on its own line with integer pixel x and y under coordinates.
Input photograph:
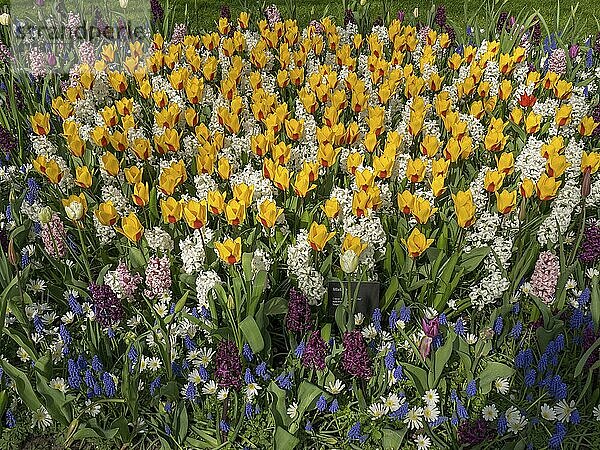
{"type": "Point", "coordinates": [294, 129]}
{"type": "Point", "coordinates": [216, 202]}
{"type": "Point", "coordinates": [590, 162]}
{"type": "Point", "coordinates": [556, 165]}
{"type": "Point", "coordinates": [131, 228]}
{"type": "Point", "coordinates": [532, 122]}
{"type": "Point", "coordinates": [281, 178]}
{"type": "Point", "coordinates": [353, 243]}
{"type": "Point", "coordinates": [587, 126]}
{"type": "Point", "coordinates": [416, 243]}
{"type": "Point", "coordinates": [318, 236]}
{"type": "Point", "coordinates": [141, 194]}
{"type": "Point", "coordinates": [493, 180]}
{"type": "Point", "coordinates": [415, 170]}
{"type": "Point", "coordinates": [429, 145]}
{"type": "Point", "coordinates": [505, 201]}
{"type": "Point", "coordinates": [326, 155]}
{"type": "Point", "coordinates": [194, 213]}
{"type": "Point", "coordinates": [422, 210]}
{"type": "Point", "coordinates": [268, 213]}
{"type": "Point", "coordinates": [563, 115]}
{"type": "Point", "coordinates": [331, 208]}
{"type": "Point", "coordinates": [110, 164]}
{"type": "Point", "coordinates": [526, 188]}
{"type": "Point", "coordinates": [302, 185]}
{"type": "Point", "coordinates": [171, 210]}
{"type": "Point", "coordinates": [133, 174]}
{"type": "Point", "coordinates": [437, 185]}
{"type": "Point", "coordinates": [83, 177]}
{"type": "Point", "coordinates": [243, 193]}
{"type": "Point", "coordinates": [547, 187]}
{"type": "Point", "coordinates": [235, 211]}
{"type": "Point", "coordinates": [107, 214]}
{"type": "Point", "coordinates": [464, 208]}
{"type": "Point", "coordinates": [230, 251]}
{"type": "Point", "coordinates": [40, 123]}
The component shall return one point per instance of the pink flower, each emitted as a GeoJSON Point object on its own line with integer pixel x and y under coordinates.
{"type": "Point", "coordinates": [545, 276]}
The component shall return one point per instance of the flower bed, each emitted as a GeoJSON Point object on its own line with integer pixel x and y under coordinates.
{"type": "Point", "coordinates": [319, 238]}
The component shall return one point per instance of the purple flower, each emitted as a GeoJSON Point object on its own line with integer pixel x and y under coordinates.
{"type": "Point", "coordinates": [590, 247]}
{"type": "Point", "coordinates": [440, 16]}
{"type": "Point", "coordinates": [354, 434]}
{"type": "Point", "coordinates": [228, 372]}
{"type": "Point", "coordinates": [355, 359]}
{"type": "Point", "coordinates": [158, 12]}
{"type": "Point", "coordinates": [108, 310]}
{"type": "Point", "coordinates": [573, 51]}
{"type": "Point", "coordinates": [297, 319]}
{"type": "Point", "coordinates": [315, 352]}
{"type": "Point", "coordinates": [473, 432]}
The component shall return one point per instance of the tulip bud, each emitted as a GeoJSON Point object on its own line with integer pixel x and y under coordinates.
{"type": "Point", "coordinates": [45, 215]}
{"type": "Point", "coordinates": [586, 183]}
{"type": "Point", "coordinates": [349, 261]}
{"type": "Point", "coordinates": [13, 257]}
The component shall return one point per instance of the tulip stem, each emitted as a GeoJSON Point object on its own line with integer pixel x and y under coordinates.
{"type": "Point", "coordinates": [580, 234]}
{"type": "Point", "coordinates": [85, 254]}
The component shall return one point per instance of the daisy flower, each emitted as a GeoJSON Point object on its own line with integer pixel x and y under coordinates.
{"type": "Point", "coordinates": [392, 402]}
{"type": "Point", "coordinates": [41, 419]}
{"type": "Point", "coordinates": [502, 385]}
{"type": "Point", "coordinates": [292, 411]}
{"type": "Point", "coordinates": [431, 413]}
{"type": "Point", "coordinates": [210, 388]}
{"type": "Point", "coordinates": [422, 442]}
{"type": "Point", "coordinates": [431, 397]}
{"type": "Point", "coordinates": [377, 410]}
{"type": "Point", "coordinates": [413, 418]}
{"type": "Point", "coordinates": [335, 387]}
{"type": "Point", "coordinates": [547, 412]}
{"type": "Point", "coordinates": [489, 412]}
{"type": "Point", "coordinates": [563, 410]}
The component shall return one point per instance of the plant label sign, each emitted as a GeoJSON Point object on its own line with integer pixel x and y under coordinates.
{"type": "Point", "coordinates": [367, 297]}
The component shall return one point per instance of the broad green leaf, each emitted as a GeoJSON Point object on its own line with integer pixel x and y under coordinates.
{"type": "Point", "coordinates": [418, 376]}
{"type": "Point", "coordinates": [22, 385]}
{"type": "Point", "coordinates": [441, 357]}
{"type": "Point", "coordinates": [276, 306]}
{"type": "Point", "coordinates": [55, 401]}
{"type": "Point", "coordinates": [595, 302]}
{"type": "Point", "coordinates": [252, 333]}
{"type": "Point", "coordinates": [283, 440]}
{"type": "Point", "coordinates": [492, 371]}
{"type": "Point", "coordinates": [392, 439]}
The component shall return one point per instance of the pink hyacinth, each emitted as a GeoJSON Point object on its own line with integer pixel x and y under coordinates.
{"type": "Point", "coordinates": [545, 276]}
{"type": "Point", "coordinates": [158, 277]}
{"type": "Point", "coordinates": [129, 282]}
{"type": "Point", "coordinates": [54, 237]}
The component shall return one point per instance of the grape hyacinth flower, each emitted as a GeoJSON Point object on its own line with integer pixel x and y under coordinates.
{"type": "Point", "coordinates": [228, 372]}
{"type": "Point", "coordinates": [355, 359]}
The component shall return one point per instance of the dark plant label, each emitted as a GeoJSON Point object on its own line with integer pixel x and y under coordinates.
{"type": "Point", "coordinates": [367, 298]}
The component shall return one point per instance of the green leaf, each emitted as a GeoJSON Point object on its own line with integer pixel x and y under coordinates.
{"type": "Point", "coordinates": [55, 401]}
{"type": "Point", "coordinates": [284, 440]}
{"type": "Point", "coordinates": [307, 393]}
{"type": "Point", "coordinates": [390, 292]}
{"type": "Point", "coordinates": [182, 423]}
{"type": "Point", "coordinates": [22, 385]}
{"type": "Point", "coordinates": [278, 407]}
{"type": "Point", "coordinates": [492, 371]}
{"type": "Point", "coordinates": [252, 334]}
{"type": "Point", "coordinates": [585, 357]}
{"type": "Point", "coordinates": [136, 257]}
{"type": "Point", "coordinates": [595, 302]}
{"type": "Point", "coordinates": [392, 439]}
{"type": "Point", "coordinates": [276, 306]}
{"type": "Point", "coordinates": [471, 261]}
{"type": "Point", "coordinates": [418, 376]}
{"type": "Point", "coordinates": [442, 355]}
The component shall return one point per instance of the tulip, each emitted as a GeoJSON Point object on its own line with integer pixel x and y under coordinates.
{"type": "Point", "coordinates": [131, 228]}
{"type": "Point", "coordinates": [422, 210]}
{"type": "Point", "coordinates": [133, 174]}
{"type": "Point", "coordinates": [526, 188]}
{"type": "Point", "coordinates": [587, 126]}
{"type": "Point", "coordinates": [349, 261]}
{"type": "Point", "coordinates": [294, 129]}
{"type": "Point", "coordinates": [268, 213]}
{"type": "Point", "coordinates": [556, 165]}
{"type": "Point", "coordinates": [547, 187]}
{"type": "Point", "coordinates": [83, 177]}
{"type": "Point", "coordinates": [506, 201]}
{"type": "Point", "coordinates": [75, 207]}
{"type": "Point", "coordinates": [171, 209]}
{"type": "Point", "coordinates": [326, 155]}
{"type": "Point", "coordinates": [243, 193]}
{"type": "Point", "coordinates": [107, 214]}
{"type": "Point", "coordinates": [110, 164]}
{"type": "Point", "coordinates": [532, 122]}
{"type": "Point", "coordinates": [318, 236]}
{"type": "Point", "coordinates": [415, 170]}
{"type": "Point", "coordinates": [563, 115]}
{"type": "Point", "coordinates": [353, 243]}
{"type": "Point", "coordinates": [281, 178]}
{"type": "Point", "coordinates": [493, 180]}
{"type": "Point", "coordinates": [430, 145]}
{"type": "Point", "coordinates": [235, 211]}
{"type": "Point", "coordinates": [302, 184]}
{"type": "Point", "coordinates": [40, 123]}
{"type": "Point", "coordinates": [590, 162]}
{"type": "Point", "coordinates": [464, 208]}
{"type": "Point", "coordinates": [230, 251]}
{"type": "Point", "coordinates": [141, 194]}
{"type": "Point", "coordinates": [194, 213]}
{"type": "Point", "coordinates": [416, 243]}
{"type": "Point", "coordinates": [331, 208]}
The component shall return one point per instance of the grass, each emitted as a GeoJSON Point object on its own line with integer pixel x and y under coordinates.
{"type": "Point", "coordinates": [204, 13]}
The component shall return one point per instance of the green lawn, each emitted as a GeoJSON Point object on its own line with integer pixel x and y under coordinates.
{"type": "Point", "coordinates": [205, 12]}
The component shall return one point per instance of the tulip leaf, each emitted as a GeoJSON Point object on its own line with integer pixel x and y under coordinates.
{"type": "Point", "coordinates": [54, 401]}
{"type": "Point", "coordinates": [595, 302]}
{"type": "Point", "coordinates": [284, 440]}
{"type": "Point", "coordinates": [442, 355]}
{"type": "Point", "coordinates": [22, 385]}
{"type": "Point", "coordinates": [276, 306]}
{"type": "Point", "coordinates": [491, 372]}
{"type": "Point", "coordinates": [392, 439]}
{"type": "Point", "coordinates": [390, 292]}
{"type": "Point", "coordinates": [252, 334]}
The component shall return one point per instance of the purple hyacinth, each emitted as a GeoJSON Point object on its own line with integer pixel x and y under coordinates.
{"type": "Point", "coordinates": [8, 143]}
{"type": "Point", "coordinates": [502, 22]}
{"type": "Point", "coordinates": [355, 359]}
{"type": "Point", "coordinates": [229, 367]}
{"type": "Point", "coordinates": [440, 16]}
{"type": "Point", "coordinates": [557, 62]}
{"type": "Point", "coordinates": [108, 309]}
{"type": "Point", "coordinates": [297, 319]}
{"type": "Point", "coordinates": [225, 12]}
{"type": "Point", "coordinates": [349, 17]}
{"type": "Point", "coordinates": [272, 15]}
{"type": "Point", "coordinates": [158, 13]}
{"type": "Point", "coordinates": [315, 352]}
{"type": "Point", "coordinates": [473, 432]}
{"type": "Point", "coordinates": [597, 43]}
{"type": "Point", "coordinates": [590, 247]}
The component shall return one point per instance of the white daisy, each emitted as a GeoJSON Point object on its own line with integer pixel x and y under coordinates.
{"type": "Point", "coordinates": [154, 363]}
{"type": "Point", "coordinates": [370, 332]}
{"type": "Point", "coordinates": [210, 388]}
{"type": "Point", "coordinates": [548, 413]}
{"type": "Point", "coordinates": [431, 397]}
{"type": "Point", "coordinates": [40, 418]}
{"type": "Point", "coordinates": [194, 377]}
{"type": "Point", "coordinates": [596, 413]}
{"type": "Point", "coordinates": [59, 384]}
{"type": "Point", "coordinates": [222, 394]}
{"type": "Point", "coordinates": [502, 385]}
{"type": "Point", "coordinates": [22, 354]}
{"type": "Point", "coordinates": [377, 410]}
{"type": "Point", "coordinates": [563, 410]}
{"type": "Point", "coordinates": [359, 319]}
{"type": "Point", "coordinates": [392, 402]}
{"type": "Point", "coordinates": [422, 442]}
{"type": "Point", "coordinates": [489, 413]}
{"type": "Point", "coordinates": [252, 390]}
{"type": "Point", "coordinates": [431, 413]}
{"type": "Point", "coordinates": [292, 411]}
{"type": "Point", "coordinates": [335, 387]}
{"type": "Point", "coordinates": [413, 418]}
